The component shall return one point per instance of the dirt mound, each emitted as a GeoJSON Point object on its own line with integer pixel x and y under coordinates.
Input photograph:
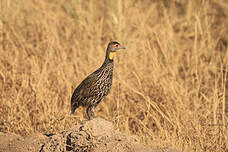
{"type": "Point", "coordinates": [95, 135]}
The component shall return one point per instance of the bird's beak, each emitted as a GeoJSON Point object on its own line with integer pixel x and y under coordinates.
{"type": "Point", "coordinates": [122, 47]}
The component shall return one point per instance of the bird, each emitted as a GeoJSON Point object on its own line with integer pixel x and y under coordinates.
{"type": "Point", "coordinates": [95, 87]}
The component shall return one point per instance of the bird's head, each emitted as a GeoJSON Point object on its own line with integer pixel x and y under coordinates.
{"type": "Point", "coordinates": [114, 46]}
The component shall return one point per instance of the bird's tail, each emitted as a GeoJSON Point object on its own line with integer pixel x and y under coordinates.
{"type": "Point", "coordinates": [72, 109]}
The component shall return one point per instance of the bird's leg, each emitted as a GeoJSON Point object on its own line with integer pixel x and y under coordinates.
{"type": "Point", "coordinates": [92, 111]}
{"type": "Point", "coordinates": [87, 111]}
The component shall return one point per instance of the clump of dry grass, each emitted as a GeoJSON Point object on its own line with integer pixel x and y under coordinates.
{"type": "Point", "coordinates": [169, 85]}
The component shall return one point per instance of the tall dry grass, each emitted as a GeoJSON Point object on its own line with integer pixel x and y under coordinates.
{"type": "Point", "coordinates": [169, 85]}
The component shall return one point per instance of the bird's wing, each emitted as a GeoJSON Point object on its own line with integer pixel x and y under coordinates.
{"type": "Point", "coordinates": [90, 86]}
{"type": "Point", "coordinates": [87, 89]}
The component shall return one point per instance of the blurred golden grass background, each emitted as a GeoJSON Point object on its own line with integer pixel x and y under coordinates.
{"type": "Point", "coordinates": [169, 85]}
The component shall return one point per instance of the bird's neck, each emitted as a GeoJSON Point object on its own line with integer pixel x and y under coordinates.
{"type": "Point", "coordinates": [109, 56]}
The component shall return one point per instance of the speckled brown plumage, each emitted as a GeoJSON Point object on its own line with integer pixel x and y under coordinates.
{"type": "Point", "coordinates": [92, 90]}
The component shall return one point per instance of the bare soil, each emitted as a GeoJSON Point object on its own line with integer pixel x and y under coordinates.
{"type": "Point", "coordinates": [95, 135]}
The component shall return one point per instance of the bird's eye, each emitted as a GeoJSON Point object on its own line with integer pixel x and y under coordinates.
{"type": "Point", "coordinates": [117, 45]}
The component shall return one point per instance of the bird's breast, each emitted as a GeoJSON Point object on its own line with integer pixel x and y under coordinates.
{"type": "Point", "coordinates": [104, 77]}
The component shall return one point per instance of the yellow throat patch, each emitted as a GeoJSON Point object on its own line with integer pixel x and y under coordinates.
{"type": "Point", "coordinates": [111, 55]}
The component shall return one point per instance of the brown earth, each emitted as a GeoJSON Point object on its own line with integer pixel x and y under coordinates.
{"type": "Point", "coordinates": [95, 135]}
